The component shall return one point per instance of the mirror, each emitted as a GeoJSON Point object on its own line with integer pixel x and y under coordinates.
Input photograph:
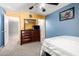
{"type": "Point", "coordinates": [28, 23]}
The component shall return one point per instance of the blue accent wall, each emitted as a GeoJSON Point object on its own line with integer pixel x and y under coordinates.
{"type": "Point", "coordinates": [54, 27]}
{"type": "Point", "coordinates": [1, 26]}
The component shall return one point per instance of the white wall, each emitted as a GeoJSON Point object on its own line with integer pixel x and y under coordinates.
{"type": "Point", "coordinates": [6, 30]}
{"type": "Point", "coordinates": [41, 22]}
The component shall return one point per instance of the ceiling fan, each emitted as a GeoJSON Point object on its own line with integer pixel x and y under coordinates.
{"type": "Point", "coordinates": [43, 9]}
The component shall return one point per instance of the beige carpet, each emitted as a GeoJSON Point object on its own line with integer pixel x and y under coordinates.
{"type": "Point", "coordinates": [13, 48]}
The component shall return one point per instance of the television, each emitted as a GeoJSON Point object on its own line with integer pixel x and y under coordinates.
{"type": "Point", "coordinates": [36, 27]}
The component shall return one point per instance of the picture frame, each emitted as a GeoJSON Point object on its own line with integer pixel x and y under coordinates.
{"type": "Point", "coordinates": [67, 14]}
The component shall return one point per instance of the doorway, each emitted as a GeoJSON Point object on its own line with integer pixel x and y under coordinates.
{"type": "Point", "coordinates": [12, 29]}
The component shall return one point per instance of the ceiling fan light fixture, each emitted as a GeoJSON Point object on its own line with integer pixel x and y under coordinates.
{"type": "Point", "coordinates": [31, 7]}
{"type": "Point", "coordinates": [42, 5]}
{"type": "Point", "coordinates": [43, 9]}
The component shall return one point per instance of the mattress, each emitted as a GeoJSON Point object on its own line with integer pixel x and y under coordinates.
{"type": "Point", "coordinates": [62, 45]}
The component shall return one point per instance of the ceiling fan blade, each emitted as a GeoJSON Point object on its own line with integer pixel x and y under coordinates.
{"type": "Point", "coordinates": [53, 3]}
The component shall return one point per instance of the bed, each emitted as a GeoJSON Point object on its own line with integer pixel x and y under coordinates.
{"type": "Point", "coordinates": [61, 46]}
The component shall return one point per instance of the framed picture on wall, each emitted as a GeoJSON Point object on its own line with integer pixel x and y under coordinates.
{"type": "Point", "coordinates": [66, 14]}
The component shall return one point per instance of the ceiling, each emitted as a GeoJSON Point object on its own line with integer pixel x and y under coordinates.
{"type": "Point", "coordinates": [18, 7]}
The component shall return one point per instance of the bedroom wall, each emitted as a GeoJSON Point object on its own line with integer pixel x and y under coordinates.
{"type": "Point", "coordinates": [24, 15]}
{"type": "Point", "coordinates": [54, 27]}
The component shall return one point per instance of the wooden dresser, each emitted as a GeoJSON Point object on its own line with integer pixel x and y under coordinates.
{"type": "Point", "coordinates": [30, 36]}
{"type": "Point", "coordinates": [36, 35]}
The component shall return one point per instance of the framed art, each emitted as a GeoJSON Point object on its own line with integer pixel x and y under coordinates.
{"type": "Point", "coordinates": [66, 14]}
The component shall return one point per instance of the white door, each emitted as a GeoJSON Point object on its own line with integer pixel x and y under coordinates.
{"type": "Point", "coordinates": [41, 23]}
{"type": "Point", "coordinates": [12, 28]}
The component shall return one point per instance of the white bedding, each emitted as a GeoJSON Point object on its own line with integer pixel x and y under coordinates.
{"type": "Point", "coordinates": [68, 44]}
